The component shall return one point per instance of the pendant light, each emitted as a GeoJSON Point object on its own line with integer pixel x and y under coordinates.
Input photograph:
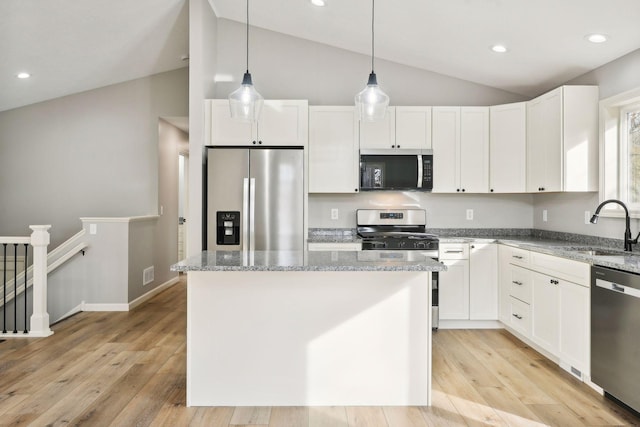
{"type": "Point", "coordinates": [372, 102]}
{"type": "Point", "coordinates": [245, 102]}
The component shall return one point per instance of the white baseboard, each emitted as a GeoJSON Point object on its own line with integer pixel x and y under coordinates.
{"type": "Point", "coordinates": [153, 292]}
{"type": "Point", "coordinates": [470, 324]}
{"type": "Point", "coordinates": [105, 307]}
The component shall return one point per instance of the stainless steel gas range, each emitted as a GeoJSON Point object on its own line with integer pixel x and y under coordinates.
{"type": "Point", "coordinates": [400, 229]}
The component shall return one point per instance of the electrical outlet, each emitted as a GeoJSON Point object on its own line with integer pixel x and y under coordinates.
{"type": "Point", "coordinates": [544, 215]}
{"type": "Point", "coordinates": [334, 213]}
{"type": "Point", "coordinates": [93, 228]}
{"type": "Point", "coordinates": [470, 214]}
{"type": "Point", "coordinates": [587, 217]}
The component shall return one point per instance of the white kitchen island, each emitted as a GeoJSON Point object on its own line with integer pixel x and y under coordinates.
{"type": "Point", "coordinates": [308, 328]}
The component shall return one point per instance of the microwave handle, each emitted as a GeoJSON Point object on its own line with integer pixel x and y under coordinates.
{"type": "Point", "coordinates": [420, 164]}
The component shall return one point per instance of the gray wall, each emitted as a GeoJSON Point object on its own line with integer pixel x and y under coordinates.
{"type": "Point", "coordinates": [90, 154]}
{"type": "Point", "coordinates": [286, 67]}
{"type": "Point", "coordinates": [443, 210]}
{"type": "Point", "coordinates": [566, 211]}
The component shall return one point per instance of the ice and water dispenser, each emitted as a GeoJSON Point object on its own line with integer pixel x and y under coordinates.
{"type": "Point", "coordinates": [228, 228]}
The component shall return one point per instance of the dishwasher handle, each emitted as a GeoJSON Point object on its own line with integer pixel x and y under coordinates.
{"type": "Point", "coordinates": [615, 287]}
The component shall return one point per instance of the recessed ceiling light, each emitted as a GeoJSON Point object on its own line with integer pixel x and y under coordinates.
{"type": "Point", "coordinates": [597, 38]}
{"type": "Point", "coordinates": [23, 75]}
{"type": "Point", "coordinates": [319, 3]}
{"type": "Point", "coordinates": [498, 48]}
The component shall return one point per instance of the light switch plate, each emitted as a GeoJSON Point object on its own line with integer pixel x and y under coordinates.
{"type": "Point", "coordinates": [93, 228]}
{"type": "Point", "coordinates": [470, 214]}
{"type": "Point", "coordinates": [334, 213]}
{"type": "Point", "coordinates": [544, 215]}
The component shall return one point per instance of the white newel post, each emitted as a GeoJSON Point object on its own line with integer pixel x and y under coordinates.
{"type": "Point", "coordinates": [40, 317]}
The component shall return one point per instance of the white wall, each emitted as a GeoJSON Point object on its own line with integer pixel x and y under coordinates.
{"type": "Point", "coordinates": [90, 154]}
{"type": "Point", "coordinates": [566, 210]}
{"type": "Point", "coordinates": [203, 28]}
{"type": "Point", "coordinates": [443, 210]}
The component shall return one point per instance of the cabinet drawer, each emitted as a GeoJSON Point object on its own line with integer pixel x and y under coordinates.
{"type": "Point", "coordinates": [562, 268]}
{"type": "Point", "coordinates": [519, 256]}
{"type": "Point", "coordinates": [520, 284]}
{"type": "Point", "coordinates": [520, 316]}
{"type": "Point", "coordinates": [454, 251]}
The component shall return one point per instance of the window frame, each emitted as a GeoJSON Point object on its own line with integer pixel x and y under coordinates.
{"type": "Point", "coordinates": [614, 172]}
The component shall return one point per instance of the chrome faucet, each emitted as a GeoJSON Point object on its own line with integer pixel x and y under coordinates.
{"type": "Point", "coordinates": [628, 241]}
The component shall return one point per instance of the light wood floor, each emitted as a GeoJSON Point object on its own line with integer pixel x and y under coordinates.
{"type": "Point", "coordinates": [128, 369]}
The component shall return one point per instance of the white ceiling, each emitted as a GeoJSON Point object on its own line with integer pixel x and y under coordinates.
{"type": "Point", "coordinates": [71, 46]}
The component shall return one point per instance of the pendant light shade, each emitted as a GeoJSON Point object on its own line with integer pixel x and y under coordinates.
{"type": "Point", "coordinates": [372, 102]}
{"type": "Point", "coordinates": [245, 102]}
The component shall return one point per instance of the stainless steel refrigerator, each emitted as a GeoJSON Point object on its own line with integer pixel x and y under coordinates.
{"type": "Point", "coordinates": [255, 199]}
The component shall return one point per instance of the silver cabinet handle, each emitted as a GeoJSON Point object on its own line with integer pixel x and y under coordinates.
{"type": "Point", "coordinates": [517, 257]}
{"type": "Point", "coordinates": [517, 316]}
{"type": "Point", "coordinates": [517, 283]}
{"type": "Point", "coordinates": [245, 214]}
{"type": "Point", "coordinates": [252, 214]}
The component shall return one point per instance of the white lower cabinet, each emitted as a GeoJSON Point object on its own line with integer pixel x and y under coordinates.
{"type": "Point", "coordinates": [575, 326]}
{"type": "Point", "coordinates": [468, 290]}
{"type": "Point", "coordinates": [483, 281]}
{"type": "Point", "coordinates": [546, 299]}
{"type": "Point", "coordinates": [453, 290]}
{"type": "Point", "coordinates": [545, 312]}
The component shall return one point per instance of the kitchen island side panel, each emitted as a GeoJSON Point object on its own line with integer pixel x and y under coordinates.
{"type": "Point", "coordinates": [308, 338]}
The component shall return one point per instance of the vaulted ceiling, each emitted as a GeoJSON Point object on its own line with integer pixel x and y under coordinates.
{"type": "Point", "coordinates": [71, 46]}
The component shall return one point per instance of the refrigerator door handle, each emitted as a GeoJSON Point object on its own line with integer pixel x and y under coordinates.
{"type": "Point", "coordinates": [252, 214]}
{"type": "Point", "coordinates": [245, 216]}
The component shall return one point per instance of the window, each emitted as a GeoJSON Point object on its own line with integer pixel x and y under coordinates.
{"type": "Point", "coordinates": [620, 152]}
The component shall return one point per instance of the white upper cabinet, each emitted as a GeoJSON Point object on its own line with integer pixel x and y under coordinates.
{"type": "Point", "coordinates": [333, 150]}
{"type": "Point", "coordinates": [562, 147]}
{"type": "Point", "coordinates": [413, 127]}
{"type": "Point", "coordinates": [380, 134]}
{"type": "Point", "coordinates": [508, 148]}
{"type": "Point", "coordinates": [402, 128]}
{"type": "Point", "coordinates": [460, 138]}
{"type": "Point", "coordinates": [282, 123]}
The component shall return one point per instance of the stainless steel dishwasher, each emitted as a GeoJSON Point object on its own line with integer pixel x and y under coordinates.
{"type": "Point", "coordinates": [615, 334]}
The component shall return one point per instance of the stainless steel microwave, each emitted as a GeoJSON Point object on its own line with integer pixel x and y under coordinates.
{"type": "Point", "coordinates": [396, 170]}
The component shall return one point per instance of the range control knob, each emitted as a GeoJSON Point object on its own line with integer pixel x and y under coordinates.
{"type": "Point", "coordinates": [420, 245]}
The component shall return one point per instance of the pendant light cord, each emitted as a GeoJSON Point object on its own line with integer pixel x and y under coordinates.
{"type": "Point", "coordinates": [247, 36]}
{"type": "Point", "coordinates": [373, 11]}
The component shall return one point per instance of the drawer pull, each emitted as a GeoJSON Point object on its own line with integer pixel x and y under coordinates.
{"type": "Point", "coordinates": [517, 256]}
{"type": "Point", "coordinates": [517, 316]}
{"type": "Point", "coordinates": [517, 283]}
{"type": "Point", "coordinates": [453, 252]}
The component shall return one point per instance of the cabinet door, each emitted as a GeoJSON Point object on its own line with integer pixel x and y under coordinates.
{"type": "Point", "coordinates": [446, 145]}
{"type": "Point", "coordinates": [333, 150]}
{"type": "Point", "coordinates": [545, 309]}
{"type": "Point", "coordinates": [413, 127]}
{"type": "Point", "coordinates": [379, 135]}
{"type": "Point", "coordinates": [474, 149]}
{"type": "Point", "coordinates": [453, 290]}
{"type": "Point", "coordinates": [574, 325]}
{"type": "Point", "coordinates": [483, 281]}
{"type": "Point", "coordinates": [544, 142]}
{"type": "Point", "coordinates": [507, 148]}
{"type": "Point", "coordinates": [221, 129]}
{"type": "Point", "coordinates": [284, 123]}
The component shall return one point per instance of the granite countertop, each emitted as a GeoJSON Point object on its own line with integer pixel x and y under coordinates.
{"type": "Point", "coordinates": [615, 258]}
{"type": "Point", "coordinates": [309, 261]}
